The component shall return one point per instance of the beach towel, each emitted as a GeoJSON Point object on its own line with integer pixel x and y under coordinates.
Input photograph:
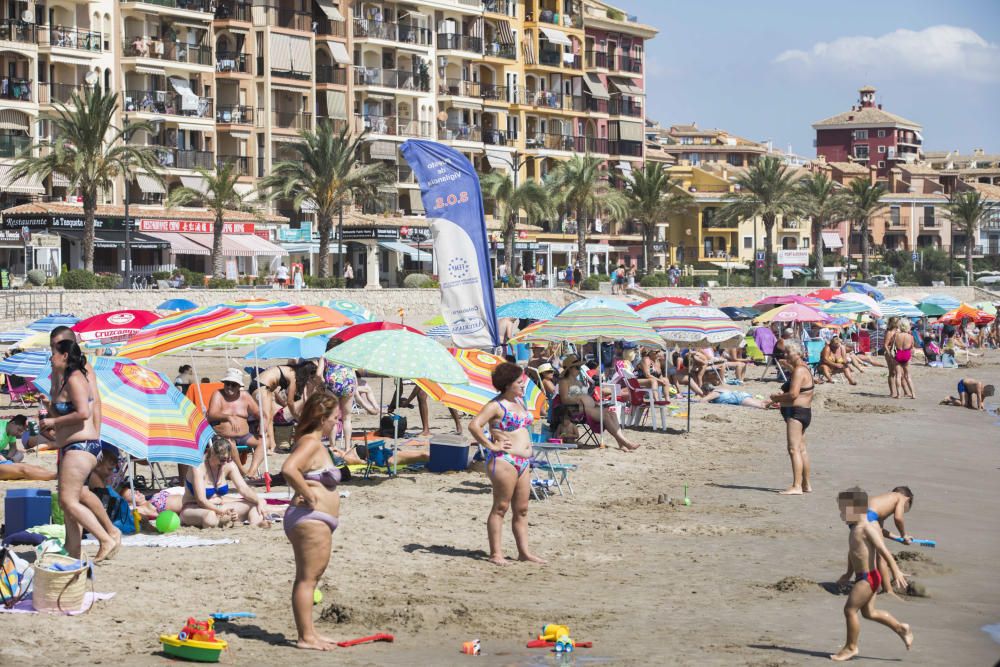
{"type": "Point", "coordinates": [26, 607]}
{"type": "Point", "coordinates": [167, 541]}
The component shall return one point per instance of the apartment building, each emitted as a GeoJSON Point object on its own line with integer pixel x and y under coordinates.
{"type": "Point", "coordinates": [695, 146]}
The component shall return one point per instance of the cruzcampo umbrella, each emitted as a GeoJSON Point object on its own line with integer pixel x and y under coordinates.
{"type": "Point", "coordinates": [26, 364]}
{"type": "Point", "coordinates": [478, 390]}
{"type": "Point", "coordinates": [51, 321]}
{"type": "Point", "coordinates": [293, 347]}
{"type": "Point", "coordinates": [594, 303]}
{"type": "Point", "coordinates": [116, 326]}
{"type": "Point", "coordinates": [528, 309]}
{"type": "Point", "coordinates": [793, 312]}
{"type": "Point", "coordinates": [358, 314]}
{"type": "Point", "coordinates": [177, 305]}
{"type": "Point", "coordinates": [183, 330]}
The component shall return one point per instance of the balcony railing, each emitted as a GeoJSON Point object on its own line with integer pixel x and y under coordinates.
{"type": "Point", "coordinates": [13, 30]}
{"type": "Point", "coordinates": [233, 11]}
{"type": "Point", "coordinates": [176, 158]}
{"type": "Point", "coordinates": [167, 103]}
{"type": "Point", "coordinates": [492, 92]}
{"type": "Point", "coordinates": [459, 132]}
{"type": "Point", "coordinates": [553, 57]}
{"type": "Point", "coordinates": [12, 144]}
{"type": "Point", "coordinates": [561, 142]}
{"type": "Point", "coordinates": [497, 50]}
{"type": "Point", "coordinates": [70, 38]}
{"type": "Point", "coordinates": [272, 15]}
{"type": "Point", "coordinates": [459, 88]}
{"type": "Point", "coordinates": [298, 75]}
{"type": "Point", "coordinates": [628, 64]}
{"type": "Point", "coordinates": [621, 107]}
{"type": "Point", "coordinates": [499, 138]}
{"type": "Point", "coordinates": [627, 148]}
{"type": "Point", "coordinates": [182, 52]}
{"type": "Point", "coordinates": [286, 120]}
{"type": "Point", "coordinates": [928, 221]}
{"type": "Point", "coordinates": [190, 5]}
{"type": "Point", "coordinates": [393, 126]}
{"type": "Point", "coordinates": [499, 6]}
{"type": "Point", "coordinates": [324, 26]}
{"type": "Point", "coordinates": [597, 59]}
{"type": "Point", "coordinates": [331, 74]}
{"type": "Point", "coordinates": [234, 114]}
{"type": "Point", "coordinates": [232, 61]}
{"type": "Point", "coordinates": [242, 163]}
{"type": "Point", "coordinates": [16, 89]}
{"type": "Point", "coordinates": [392, 32]}
{"type": "Point", "coordinates": [548, 99]}
{"type": "Point", "coordinates": [595, 105]}
{"type": "Point", "coordinates": [58, 92]}
{"type": "Point", "coordinates": [391, 78]}
{"type": "Point", "coordinates": [597, 145]}
{"type": "Point", "coordinates": [460, 42]}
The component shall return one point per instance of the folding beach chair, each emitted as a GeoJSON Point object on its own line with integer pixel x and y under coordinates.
{"type": "Point", "coordinates": [21, 393]}
{"type": "Point", "coordinates": [546, 460]}
{"type": "Point", "coordinates": [766, 341]}
{"type": "Point", "coordinates": [814, 354]}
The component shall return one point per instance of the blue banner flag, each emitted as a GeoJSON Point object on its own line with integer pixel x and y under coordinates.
{"type": "Point", "coordinates": [454, 205]}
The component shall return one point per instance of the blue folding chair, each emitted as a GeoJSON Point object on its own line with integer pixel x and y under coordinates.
{"type": "Point", "coordinates": [814, 354]}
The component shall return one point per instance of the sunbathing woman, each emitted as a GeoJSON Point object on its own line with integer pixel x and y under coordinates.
{"type": "Point", "coordinates": [206, 486]}
{"type": "Point", "coordinates": [904, 343]}
{"type": "Point", "coordinates": [833, 360]}
{"type": "Point", "coordinates": [314, 512]}
{"type": "Point", "coordinates": [650, 373]}
{"type": "Point", "coordinates": [795, 400]}
{"type": "Point", "coordinates": [573, 391]}
{"type": "Point", "coordinates": [508, 460]}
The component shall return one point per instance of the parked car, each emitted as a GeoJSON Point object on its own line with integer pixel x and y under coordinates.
{"type": "Point", "coordinates": [884, 280]}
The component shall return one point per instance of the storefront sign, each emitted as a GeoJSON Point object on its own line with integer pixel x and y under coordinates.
{"type": "Point", "coordinates": [45, 241]}
{"type": "Point", "coordinates": [793, 257]}
{"type": "Point", "coordinates": [194, 226]}
{"type": "Point", "coordinates": [380, 233]}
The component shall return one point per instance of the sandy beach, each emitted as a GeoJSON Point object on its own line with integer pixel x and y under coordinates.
{"type": "Point", "coordinates": [740, 576]}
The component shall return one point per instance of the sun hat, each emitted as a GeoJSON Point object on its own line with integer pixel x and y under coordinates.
{"type": "Point", "coordinates": [233, 375]}
{"type": "Point", "coordinates": [545, 368]}
{"type": "Point", "coordinates": [569, 362]}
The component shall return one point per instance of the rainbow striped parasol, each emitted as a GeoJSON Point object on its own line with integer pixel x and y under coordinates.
{"type": "Point", "coordinates": [473, 396]}
{"type": "Point", "coordinates": [356, 313]}
{"type": "Point", "coordinates": [277, 318]}
{"type": "Point", "coordinates": [590, 325]}
{"type": "Point", "coordinates": [144, 414]}
{"type": "Point", "coordinates": [182, 330]}
{"type": "Point", "coordinates": [693, 326]}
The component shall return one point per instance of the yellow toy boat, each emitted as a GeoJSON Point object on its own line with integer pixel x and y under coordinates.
{"type": "Point", "coordinates": [193, 649]}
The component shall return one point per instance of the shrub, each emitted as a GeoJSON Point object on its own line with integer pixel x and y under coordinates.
{"type": "Point", "coordinates": [79, 279]}
{"type": "Point", "coordinates": [221, 283]}
{"type": "Point", "coordinates": [416, 280]}
{"type": "Point", "coordinates": [161, 275]}
{"type": "Point", "coordinates": [108, 280]}
{"type": "Point", "coordinates": [323, 283]}
{"type": "Point", "coordinates": [191, 278]}
{"type": "Point", "coordinates": [36, 277]}
{"type": "Point", "coordinates": [590, 284]}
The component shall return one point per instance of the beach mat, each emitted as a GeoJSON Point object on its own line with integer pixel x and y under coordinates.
{"type": "Point", "coordinates": [167, 541]}
{"type": "Point", "coordinates": [26, 607]}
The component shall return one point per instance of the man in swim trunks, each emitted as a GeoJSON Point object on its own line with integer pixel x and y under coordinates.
{"type": "Point", "coordinates": [865, 547]}
{"type": "Point", "coordinates": [230, 411]}
{"type": "Point", "coordinates": [971, 394]}
{"type": "Point", "coordinates": [11, 455]}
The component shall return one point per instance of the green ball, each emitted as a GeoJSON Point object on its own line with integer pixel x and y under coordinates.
{"type": "Point", "coordinates": [167, 522]}
{"type": "Point", "coordinates": [317, 596]}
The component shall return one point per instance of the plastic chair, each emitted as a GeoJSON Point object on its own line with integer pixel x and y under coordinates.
{"type": "Point", "coordinates": [814, 354]}
{"type": "Point", "coordinates": [650, 404]}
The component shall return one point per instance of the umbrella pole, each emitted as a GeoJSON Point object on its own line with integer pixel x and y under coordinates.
{"type": "Point", "coordinates": [131, 486]}
{"type": "Point", "coordinates": [395, 428]}
{"type": "Point", "coordinates": [194, 368]}
{"type": "Point", "coordinates": [689, 402]}
{"type": "Point", "coordinates": [263, 426]}
{"type": "Point", "coordinates": [600, 392]}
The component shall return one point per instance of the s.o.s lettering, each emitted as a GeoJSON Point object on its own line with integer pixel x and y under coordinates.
{"type": "Point", "coordinates": [451, 200]}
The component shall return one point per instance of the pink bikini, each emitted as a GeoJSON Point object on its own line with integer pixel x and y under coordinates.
{"type": "Point", "coordinates": [329, 477]}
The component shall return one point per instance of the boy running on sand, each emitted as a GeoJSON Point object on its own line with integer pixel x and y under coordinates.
{"type": "Point", "coordinates": [865, 546]}
{"type": "Point", "coordinates": [895, 504]}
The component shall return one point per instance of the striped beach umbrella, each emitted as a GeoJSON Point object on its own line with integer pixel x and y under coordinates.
{"type": "Point", "coordinates": [528, 309]}
{"type": "Point", "coordinates": [693, 326]}
{"type": "Point", "coordinates": [793, 312]}
{"type": "Point", "coordinates": [785, 299]}
{"type": "Point", "coordinates": [440, 331]}
{"type": "Point", "coordinates": [277, 318]}
{"type": "Point", "coordinates": [144, 414]}
{"type": "Point", "coordinates": [966, 312]}
{"type": "Point", "coordinates": [675, 300]}
{"type": "Point", "coordinates": [864, 299]}
{"type": "Point", "coordinates": [899, 308]}
{"type": "Point", "coordinates": [27, 364]}
{"type": "Point", "coordinates": [938, 304]}
{"type": "Point", "coordinates": [51, 321]}
{"type": "Point", "coordinates": [590, 326]}
{"type": "Point", "coordinates": [353, 311]}
{"type": "Point", "coordinates": [183, 330]}
{"type": "Point", "coordinates": [596, 302]}
{"type": "Point", "coordinates": [14, 335]}
{"type": "Point", "coordinates": [478, 390]}
{"type": "Point", "coordinates": [834, 308]}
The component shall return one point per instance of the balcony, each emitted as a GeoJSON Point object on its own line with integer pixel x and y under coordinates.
{"type": "Point", "coordinates": [328, 28]}
{"type": "Point", "coordinates": [459, 132]}
{"type": "Point", "coordinates": [18, 90]}
{"type": "Point", "coordinates": [242, 163]}
{"type": "Point", "coordinates": [499, 138]}
{"type": "Point", "coordinates": [393, 126]}
{"type": "Point", "coordinates": [11, 145]}
{"type": "Point", "coordinates": [181, 52]}
{"type": "Point", "coordinates": [232, 61]}
{"type": "Point", "coordinates": [626, 148]}
{"type": "Point", "coordinates": [596, 59]}
{"type": "Point", "coordinates": [460, 42]}
{"type": "Point", "coordinates": [547, 99]}
{"type": "Point", "coordinates": [286, 120]}
{"type": "Point", "coordinates": [459, 88]}
{"type": "Point", "coordinates": [504, 7]}
{"type": "Point", "coordinates": [595, 105]}
{"type": "Point", "coordinates": [895, 222]}
{"type": "Point", "coordinates": [495, 93]}
{"type": "Point", "coordinates": [597, 145]}
{"type": "Point", "coordinates": [70, 38]}
{"type": "Point", "coordinates": [177, 158]}
{"type": "Point", "coordinates": [13, 30]}
{"type": "Point", "coordinates": [280, 17]}
{"type": "Point", "coordinates": [233, 11]}
{"type": "Point", "coordinates": [928, 222]}
{"type": "Point", "coordinates": [497, 50]}
{"type": "Point", "coordinates": [621, 107]}
{"type": "Point", "coordinates": [335, 74]}
{"type": "Point", "coordinates": [404, 174]}
{"type": "Point", "coordinates": [49, 93]}
{"type": "Point", "coordinates": [628, 64]}
{"type": "Point", "coordinates": [555, 18]}
{"type": "Point", "coordinates": [168, 103]}
{"type": "Point", "coordinates": [392, 78]}
{"type": "Point", "coordinates": [558, 142]}
{"type": "Point", "coordinates": [189, 5]}
{"type": "Point", "coordinates": [234, 114]}
{"type": "Point", "coordinates": [391, 32]}
{"type": "Point", "coordinates": [285, 73]}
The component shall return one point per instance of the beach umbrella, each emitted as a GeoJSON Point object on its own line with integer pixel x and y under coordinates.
{"type": "Point", "coordinates": [596, 302]}
{"type": "Point", "coordinates": [435, 321]}
{"type": "Point", "coordinates": [14, 335]}
{"type": "Point", "coordinates": [27, 364]}
{"type": "Point", "coordinates": [176, 332]}
{"type": "Point", "coordinates": [51, 321]}
{"type": "Point", "coordinates": [113, 327]}
{"type": "Point", "coordinates": [293, 347]}
{"type": "Point", "coordinates": [863, 299]}
{"type": "Point", "coordinates": [966, 312]}
{"type": "Point", "coordinates": [675, 300]}
{"type": "Point", "coordinates": [862, 288]}
{"type": "Point", "coordinates": [478, 390]}
{"type": "Point", "coordinates": [144, 414]}
{"type": "Point", "coordinates": [36, 341]}
{"type": "Point", "coordinates": [986, 306]}
{"type": "Point", "coordinates": [528, 309]}
{"type": "Point", "coordinates": [440, 331]}
{"type": "Point", "coordinates": [824, 294]}
{"type": "Point", "coordinates": [740, 313]}
{"type": "Point", "coordinates": [846, 307]}
{"type": "Point", "coordinates": [793, 312]}
{"type": "Point", "coordinates": [355, 330]}
{"type": "Point", "coordinates": [355, 312]}
{"type": "Point", "coordinates": [899, 308]}
{"type": "Point", "coordinates": [785, 299]}
{"type": "Point", "coordinates": [938, 304]}
{"type": "Point", "coordinates": [177, 305]}
{"type": "Point", "coordinates": [277, 318]}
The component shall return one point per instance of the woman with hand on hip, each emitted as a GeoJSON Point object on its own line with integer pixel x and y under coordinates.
{"type": "Point", "coordinates": [795, 401]}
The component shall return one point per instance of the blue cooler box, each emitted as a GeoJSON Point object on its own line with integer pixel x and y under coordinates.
{"type": "Point", "coordinates": [448, 453]}
{"type": "Point", "coordinates": [26, 508]}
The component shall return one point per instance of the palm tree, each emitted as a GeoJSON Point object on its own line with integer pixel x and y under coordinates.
{"type": "Point", "coordinates": [765, 190]}
{"type": "Point", "coordinates": [529, 197]}
{"type": "Point", "coordinates": [90, 152]}
{"type": "Point", "coordinates": [327, 174]}
{"type": "Point", "coordinates": [863, 201]}
{"type": "Point", "coordinates": [967, 211]}
{"type": "Point", "coordinates": [653, 197]}
{"type": "Point", "coordinates": [219, 195]}
{"type": "Point", "coordinates": [826, 205]}
{"type": "Point", "coordinates": [581, 185]}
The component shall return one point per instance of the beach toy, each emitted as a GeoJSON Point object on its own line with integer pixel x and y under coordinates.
{"type": "Point", "coordinates": [196, 641]}
{"type": "Point", "coordinates": [564, 645]}
{"type": "Point", "coordinates": [317, 596]}
{"type": "Point", "coordinates": [552, 632]}
{"type": "Point", "coordinates": [230, 615]}
{"type": "Point", "coordinates": [471, 648]}
{"type": "Point", "coordinates": [687, 501]}
{"type": "Point", "coordinates": [913, 540]}
{"type": "Point", "coordinates": [167, 522]}
{"type": "Point", "coordinates": [381, 637]}
{"type": "Point", "coordinates": [541, 643]}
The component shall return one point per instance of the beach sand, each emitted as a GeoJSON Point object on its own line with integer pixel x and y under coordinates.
{"type": "Point", "coordinates": [738, 577]}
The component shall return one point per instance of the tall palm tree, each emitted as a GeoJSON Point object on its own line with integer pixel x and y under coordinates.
{"type": "Point", "coordinates": [90, 152]}
{"type": "Point", "coordinates": [326, 173]}
{"type": "Point", "coordinates": [967, 211]}
{"type": "Point", "coordinates": [825, 204]}
{"type": "Point", "coordinates": [765, 190]}
{"type": "Point", "coordinates": [581, 185]}
{"type": "Point", "coordinates": [863, 201]}
{"type": "Point", "coordinates": [219, 195]}
{"type": "Point", "coordinates": [653, 197]}
{"type": "Point", "coordinates": [529, 197]}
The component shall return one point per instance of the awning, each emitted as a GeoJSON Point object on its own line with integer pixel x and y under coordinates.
{"type": "Point", "coordinates": [629, 131]}
{"type": "Point", "coordinates": [196, 183]}
{"type": "Point", "coordinates": [12, 119]}
{"type": "Point", "coordinates": [189, 101]}
{"type": "Point", "coordinates": [409, 251]}
{"type": "Point", "coordinates": [336, 104]}
{"type": "Point", "coordinates": [255, 245]}
{"type": "Point", "coordinates": [626, 167]}
{"type": "Point", "coordinates": [505, 35]}
{"type": "Point", "coordinates": [339, 52]}
{"type": "Point", "coordinates": [150, 185]}
{"type": "Point", "coordinates": [281, 51]}
{"type": "Point", "coordinates": [26, 185]}
{"type": "Point", "coordinates": [624, 86]}
{"type": "Point", "coordinates": [556, 36]}
{"type": "Point", "coordinates": [832, 240]}
{"type": "Point", "coordinates": [146, 69]}
{"type": "Point", "coordinates": [595, 87]}
{"type": "Point", "coordinates": [383, 150]}
{"type": "Point", "coordinates": [183, 245]}
{"type": "Point", "coordinates": [416, 202]}
{"type": "Point", "coordinates": [195, 127]}
{"type": "Point", "coordinates": [106, 238]}
{"type": "Point", "coordinates": [331, 12]}
{"type": "Point", "coordinates": [734, 266]}
{"type": "Point", "coordinates": [499, 161]}
{"type": "Point", "coordinates": [70, 59]}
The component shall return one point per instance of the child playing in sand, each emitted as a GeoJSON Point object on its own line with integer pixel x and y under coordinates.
{"type": "Point", "coordinates": [971, 393]}
{"type": "Point", "coordinates": [865, 547]}
{"type": "Point", "coordinates": [896, 503]}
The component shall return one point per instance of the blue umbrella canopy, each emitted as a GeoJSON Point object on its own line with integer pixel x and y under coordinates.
{"type": "Point", "coordinates": [29, 364]}
{"type": "Point", "coordinates": [597, 302]}
{"type": "Point", "coordinates": [528, 309]}
{"type": "Point", "coordinates": [293, 347]}
{"type": "Point", "coordinates": [740, 313]}
{"type": "Point", "coordinates": [863, 288]}
{"type": "Point", "coordinates": [53, 320]}
{"type": "Point", "coordinates": [177, 305]}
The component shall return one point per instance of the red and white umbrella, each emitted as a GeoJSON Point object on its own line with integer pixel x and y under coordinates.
{"type": "Point", "coordinates": [114, 327]}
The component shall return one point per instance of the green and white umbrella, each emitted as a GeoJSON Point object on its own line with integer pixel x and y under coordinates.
{"type": "Point", "coordinates": [400, 354]}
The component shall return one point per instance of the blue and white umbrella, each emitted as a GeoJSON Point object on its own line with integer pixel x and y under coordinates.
{"type": "Point", "coordinates": [53, 320]}
{"type": "Point", "coordinates": [29, 364]}
{"type": "Point", "coordinates": [900, 308]}
{"type": "Point", "coordinates": [862, 288]}
{"type": "Point", "coordinates": [14, 335]}
{"type": "Point", "coordinates": [356, 312]}
{"type": "Point", "coordinates": [597, 302]}
{"type": "Point", "coordinates": [440, 331]}
{"type": "Point", "coordinates": [528, 309]}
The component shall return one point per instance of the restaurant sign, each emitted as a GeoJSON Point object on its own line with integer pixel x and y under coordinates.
{"type": "Point", "coordinates": [380, 233]}
{"type": "Point", "coordinates": [193, 226]}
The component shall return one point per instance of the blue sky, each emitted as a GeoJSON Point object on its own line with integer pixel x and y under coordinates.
{"type": "Point", "coordinates": [768, 70]}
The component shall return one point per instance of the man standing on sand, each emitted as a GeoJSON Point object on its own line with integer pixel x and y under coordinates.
{"type": "Point", "coordinates": [865, 547]}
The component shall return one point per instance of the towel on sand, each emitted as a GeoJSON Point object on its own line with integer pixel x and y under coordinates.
{"type": "Point", "coordinates": [168, 541]}
{"type": "Point", "coordinates": [26, 607]}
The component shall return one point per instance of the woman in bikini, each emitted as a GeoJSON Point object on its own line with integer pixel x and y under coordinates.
{"type": "Point", "coordinates": [904, 343]}
{"type": "Point", "coordinates": [889, 352]}
{"type": "Point", "coordinates": [508, 460]}
{"type": "Point", "coordinates": [205, 488]}
{"type": "Point", "coordinates": [341, 382]}
{"type": "Point", "coordinates": [795, 401]}
{"type": "Point", "coordinates": [650, 373]}
{"type": "Point", "coordinates": [71, 416]}
{"type": "Point", "coordinates": [281, 387]}
{"type": "Point", "coordinates": [314, 512]}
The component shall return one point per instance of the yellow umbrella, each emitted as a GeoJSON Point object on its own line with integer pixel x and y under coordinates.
{"type": "Point", "coordinates": [38, 341]}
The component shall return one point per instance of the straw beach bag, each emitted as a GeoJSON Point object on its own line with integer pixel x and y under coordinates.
{"type": "Point", "coordinates": [57, 589]}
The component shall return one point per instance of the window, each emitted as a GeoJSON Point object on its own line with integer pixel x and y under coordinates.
{"type": "Point", "coordinates": [881, 164]}
{"type": "Point", "coordinates": [894, 215]}
{"type": "Point", "coordinates": [747, 242]}
{"type": "Point", "coordinates": [881, 133]}
{"type": "Point", "coordinates": [860, 135]}
{"type": "Point", "coordinates": [881, 149]}
{"type": "Point", "coordinates": [928, 216]}
{"type": "Point", "coordinates": [861, 151]}
{"type": "Point", "coordinates": [805, 243]}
